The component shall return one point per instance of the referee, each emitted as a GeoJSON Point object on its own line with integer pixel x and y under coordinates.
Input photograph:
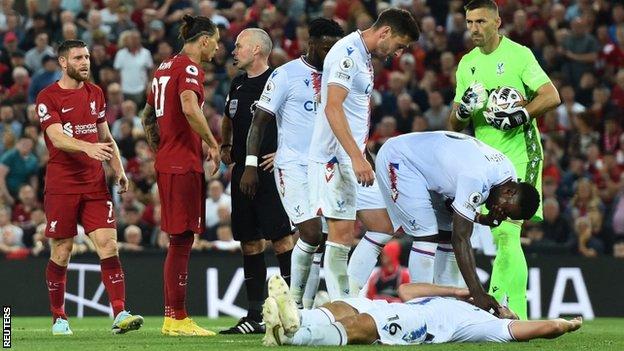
{"type": "Point", "coordinates": [261, 217]}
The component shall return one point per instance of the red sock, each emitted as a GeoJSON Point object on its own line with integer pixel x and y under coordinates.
{"type": "Point", "coordinates": [113, 279]}
{"type": "Point", "coordinates": [176, 272]}
{"type": "Point", "coordinates": [168, 310]}
{"type": "Point", "coordinates": [55, 279]}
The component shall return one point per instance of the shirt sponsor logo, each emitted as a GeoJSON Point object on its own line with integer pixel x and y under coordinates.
{"type": "Point", "coordinates": [310, 106]}
{"type": "Point", "coordinates": [192, 81]}
{"type": "Point", "coordinates": [233, 107]}
{"type": "Point", "coordinates": [343, 76]}
{"type": "Point", "coordinates": [265, 98]}
{"type": "Point", "coordinates": [79, 129]}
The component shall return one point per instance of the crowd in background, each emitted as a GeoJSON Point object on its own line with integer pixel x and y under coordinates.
{"type": "Point", "coordinates": [580, 44]}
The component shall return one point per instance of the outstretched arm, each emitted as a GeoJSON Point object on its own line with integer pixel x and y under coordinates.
{"type": "Point", "coordinates": [415, 290]}
{"type": "Point", "coordinates": [529, 330]}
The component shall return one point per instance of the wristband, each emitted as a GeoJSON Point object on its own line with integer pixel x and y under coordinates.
{"type": "Point", "coordinates": [251, 160]}
{"type": "Point", "coordinates": [461, 119]}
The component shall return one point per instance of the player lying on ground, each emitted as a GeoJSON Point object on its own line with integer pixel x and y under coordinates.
{"type": "Point", "coordinates": [431, 314]}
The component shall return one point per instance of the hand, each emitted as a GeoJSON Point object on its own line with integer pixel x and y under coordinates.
{"type": "Point", "coordinates": [122, 181]}
{"type": "Point", "coordinates": [226, 154]}
{"type": "Point", "coordinates": [100, 151]}
{"type": "Point", "coordinates": [486, 302]}
{"type": "Point", "coordinates": [363, 171]}
{"type": "Point", "coordinates": [509, 119]}
{"type": "Point", "coordinates": [214, 158]}
{"type": "Point", "coordinates": [249, 181]}
{"type": "Point", "coordinates": [267, 164]}
{"type": "Point", "coordinates": [462, 294]}
{"type": "Point", "coordinates": [474, 99]}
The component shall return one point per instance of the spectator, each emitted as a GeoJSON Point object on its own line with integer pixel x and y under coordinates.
{"type": "Point", "coordinates": [132, 239]}
{"type": "Point", "coordinates": [580, 50]}
{"type": "Point", "coordinates": [39, 25]}
{"type": "Point", "coordinates": [569, 108]}
{"type": "Point", "coordinates": [216, 198]}
{"type": "Point", "coordinates": [588, 245]}
{"type": "Point", "coordinates": [520, 31]}
{"type": "Point", "coordinates": [34, 56]}
{"type": "Point", "coordinates": [134, 62]}
{"type": "Point", "coordinates": [24, 207]}
{"type": "Point", "coordinates": [114, 100]}
{"type": "Point", "coordinates": [48, 75]}
{"type": "Point", "coordinates": [384, 130]}
{"type": "Point", "coordinates": [156, 36]}
{"type": "Point", "coordinates": [385, 281]}
{"type": "Point", "coordinates": [95, 26]}
{"type": "Point", "coordinates": [129, 114]}
{"type": "Point", "coordinates": [438, 113]}
{"type": "Point", "coordinates": [17, 167]}
{"type": "Point", "coordinates": [69, 32]}
{"type": "Point", "coordinates": [225, 240]}
{"type": "Point", "coordinates": [207, 9]}
{"type": "Point", "coordinates": [406, 110]}
{"type": "Point", "coordinates": [11, 235]}
{"type": "Point", "coordinates": [18, 92]}
{"type": "Point", "coordinates": [8, 122]}
{"type": "Point", "coordinates": [556, 230]}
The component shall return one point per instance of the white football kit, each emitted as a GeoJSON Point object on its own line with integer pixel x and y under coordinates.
{"type": "Point", "coordinates": [333, 186]}
{"type": "Point", "coordinates": [292, 95]}
{"type": "Point", "coordinates": [412, 166]}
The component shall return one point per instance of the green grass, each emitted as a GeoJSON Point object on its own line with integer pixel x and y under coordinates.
{"type": "Point", "coordinates": [33, 333]}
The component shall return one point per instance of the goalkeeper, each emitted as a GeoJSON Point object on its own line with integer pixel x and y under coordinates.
{"type": "Point", "coordinates": [497, 61]}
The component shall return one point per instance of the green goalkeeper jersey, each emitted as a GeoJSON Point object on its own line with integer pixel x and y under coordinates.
{"type": "Point", "coordinates": [513, 65]}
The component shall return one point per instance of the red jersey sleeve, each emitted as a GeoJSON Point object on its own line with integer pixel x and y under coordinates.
{"type": "Point", "coordinates": [191, 77]}
{"type": "Point", "coordinates": [150, 93]}
{"type": "Point", "coordinates": [47, 110]}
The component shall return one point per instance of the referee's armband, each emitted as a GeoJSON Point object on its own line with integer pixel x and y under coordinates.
{"type": "Point", "coordinates": [251, 160]}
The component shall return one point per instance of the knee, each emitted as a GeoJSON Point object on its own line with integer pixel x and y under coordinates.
{"type": "Point", "coordinates": [253, 247]}
{"type": "Point", "coordinates": [282, 245]}
{"type": "Point", "coordinates": [107, 248]}
{"type": "Point", "coordinates": [61, 252]}
{"type": "Point", "coordinates": [311, 234]}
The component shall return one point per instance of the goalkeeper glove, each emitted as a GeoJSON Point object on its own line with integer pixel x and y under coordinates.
{"type": "Point", "coordinates": [509, 119]}
{"type": "Point", "coordinates": [474, 99]}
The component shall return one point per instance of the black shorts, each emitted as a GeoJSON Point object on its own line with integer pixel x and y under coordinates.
{"type": "Point", "coordinates": [262, 217]}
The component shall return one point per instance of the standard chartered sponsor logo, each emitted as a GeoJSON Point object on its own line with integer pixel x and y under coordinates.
{"type": "Point", "coordinates": [79, 129]}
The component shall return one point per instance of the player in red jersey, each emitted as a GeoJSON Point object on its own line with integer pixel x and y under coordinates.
{"type": "Point", "coordinates": [175, 127]}
{"type": "Point", "coordinates": [71, 112]}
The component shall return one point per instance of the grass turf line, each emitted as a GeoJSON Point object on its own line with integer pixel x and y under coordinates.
{"type": "Point", "coordinates": [93, 333]}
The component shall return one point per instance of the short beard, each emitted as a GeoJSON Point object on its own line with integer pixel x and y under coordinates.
{"type": "Point", "coordinates": [75, 74]}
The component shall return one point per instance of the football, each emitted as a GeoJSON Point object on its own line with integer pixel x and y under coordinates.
{"type": "Point", "coordinates": [504, 98]}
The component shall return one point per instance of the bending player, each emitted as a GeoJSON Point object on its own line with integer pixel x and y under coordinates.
{"type": "Point", "coordinates": [464, 171]}
{"type": "Point", "coordinates": [431, 314]}
{"type": "Point", "coordinates": [71, 112]}
{"type": "Point", "coordinates": [291, 95]}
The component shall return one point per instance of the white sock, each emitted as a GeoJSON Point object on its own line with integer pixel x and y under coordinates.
{"type": "Point", "coordinates": [335, 268]}
{"type": "Point", "coordinates": [317, 316]}
{"type": "Point", "coordinates": [300, 263]}
{"type": "Point", "coordinates": [421, 261]}
{"type": "Point", "coordinates": [321, 335]}
{"type": "Point", "coordinates": [446, 271]}
{"type": "Point", "coordinates": [313, 281]}
{"type": "Point", "coordinates": [364, 259]}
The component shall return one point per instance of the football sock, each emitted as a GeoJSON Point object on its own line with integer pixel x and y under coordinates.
{"type": "Point", "coordinates": [321, 335]}
{"type": "Point", "coordinates": [255, 278]}
{"type": "Point", "coordinates": [114, 282]}
{"type": "Point", "coordinates": [509, 272]}
{"type": "Point", "coordinates": [314, 279]}
{"type": "Point", "coordinates": [335, 267]}
{"type": "Point", "coordinates": [317, 316]}
{"type": "Point", "coordinates": [176, 272]}
{"type": "Point", "coordinates": [302, 256]}
{"type": "Point", "coordinates": [446, 271]}
{"type": "Point", "coordinates": [284, 262]}
{"type": "Point", "coordinates": [56, 277]}
{"type": "Point", "coordinates": [421, 260]}
{"type": "Point", "coordinates": [364, 259]}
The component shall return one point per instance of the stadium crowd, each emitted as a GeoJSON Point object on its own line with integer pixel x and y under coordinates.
{"type": "Point", "coordinates": [580, 44]}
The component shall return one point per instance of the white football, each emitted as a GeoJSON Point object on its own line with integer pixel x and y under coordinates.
{"type": "Point", "coordinates": [504, 98]}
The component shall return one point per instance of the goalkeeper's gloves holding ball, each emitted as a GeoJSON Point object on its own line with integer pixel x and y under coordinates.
{"type": "Point", "coordinates": [507, 119]}
{"type": "Point", "coordinates": [474, 99]}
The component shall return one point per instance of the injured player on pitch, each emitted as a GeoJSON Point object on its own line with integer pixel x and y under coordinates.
{"type": "Point", "coordinates": [429, 314]}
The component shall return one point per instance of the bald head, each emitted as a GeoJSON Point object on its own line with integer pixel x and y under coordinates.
{"type": "Point", "coordinates": [252, 49]}
{"type": "Point", "coordinates": [261, 38]}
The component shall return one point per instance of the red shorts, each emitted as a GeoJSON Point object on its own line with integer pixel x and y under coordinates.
{"type": "Point", "coordinates": [182, 202]}
{"type": "Point", "coordinates": [65, 211]}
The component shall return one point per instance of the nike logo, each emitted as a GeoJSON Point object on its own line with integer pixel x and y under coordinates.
{"type": "Point", "coordinates": [238, 87]}
{"type": "Point", "coordinates": [63, 110]}
{"type": "Point", "coordinates": [109, 221]}
{"type": "Point", "coordinates": [116, 281]}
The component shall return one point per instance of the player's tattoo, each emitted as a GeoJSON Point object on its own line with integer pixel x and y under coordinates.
{"type": "Point", "coordinates": [152, 134]}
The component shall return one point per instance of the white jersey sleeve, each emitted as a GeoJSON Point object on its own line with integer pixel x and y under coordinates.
{"type": "Point", "coordinates": [471, 193]}
{"type": "Point", "coordinates": [275, 92]}
{"type": "Point", "coordinates": [343, 72]}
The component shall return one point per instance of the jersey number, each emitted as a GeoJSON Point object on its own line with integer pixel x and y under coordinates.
{"type": "Point", "coordinates": [158, 89]}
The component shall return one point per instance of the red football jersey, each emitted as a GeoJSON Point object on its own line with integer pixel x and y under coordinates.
{"type": "Point", "coordinates": [180, 148]}
{"type": "Point", "coordinates": [78, 111]}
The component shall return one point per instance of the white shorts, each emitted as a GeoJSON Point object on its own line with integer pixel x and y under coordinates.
{"type": "Point", "coordinates": [438, 320]}
{"type": "Point", "coordinates": [292, 186]}
{"type": "Point", "coordinates": [369, 197]}
{"type": "Point", "coordinates": [333, 189]}
{"type": "Point", "coordinates": [412, 208]}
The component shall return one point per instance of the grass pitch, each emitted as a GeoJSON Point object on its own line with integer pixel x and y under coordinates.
{"type": "Point", "coordinates": [93, 333]}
